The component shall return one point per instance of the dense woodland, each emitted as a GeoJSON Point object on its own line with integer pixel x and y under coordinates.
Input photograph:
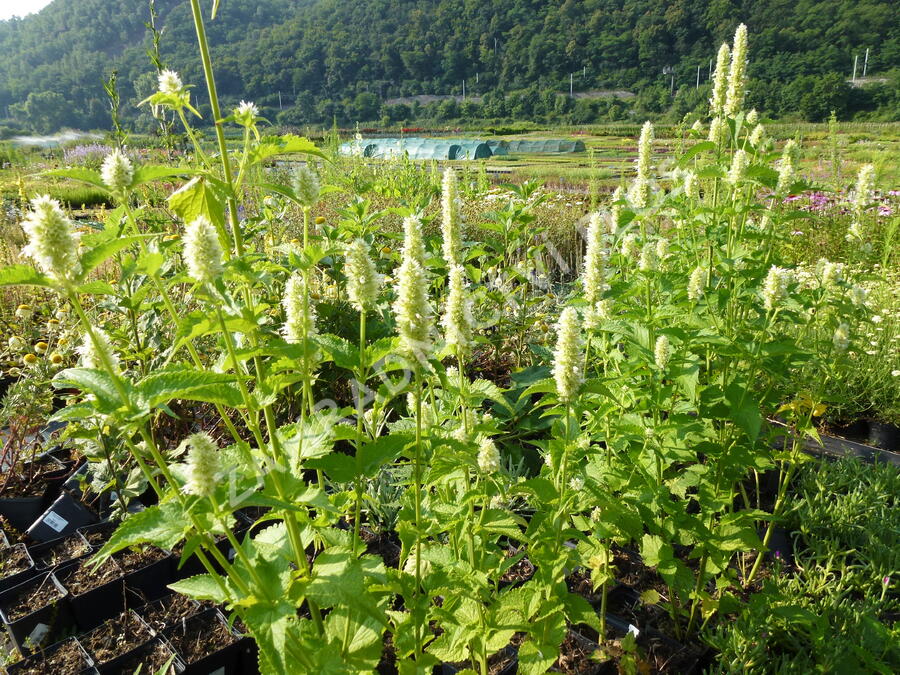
{"type": "Point", "coordinates": [313, 61]}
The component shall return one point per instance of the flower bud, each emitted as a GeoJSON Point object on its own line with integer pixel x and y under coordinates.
{"type": "Point", "coordinates": [52, 241]}
{"type": "Point", "coordinates": [306, 186]}
{"type": "Point", "coordinates": [488, 457]}
{"type": "Point", "coordinates": [117, 172]}
{"type": "Point", "coordinates": [170, 83]}
{"type": "Point", "coordinates": [203, 464]}
{"type": "Point", "coordinates": [450, 223]}
{"type": "Point", "coordinates": [567, 357]}
{"type": "Point", "coordinates": [202, 251]}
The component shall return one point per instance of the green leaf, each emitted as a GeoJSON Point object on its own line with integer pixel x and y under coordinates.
{"type": "Point", "coordinates": [148, 174]}
{"type": "Point", "coordinates": [163, 525]}
{"type": "Point", "coordinates": [693, 151]}
{"type": "Point", "coordinates": [344, 354]}
{"type": "Point", "coordinates": [200, 587]}
{"type": "Point", "coordinates": [88, 176]}
{"type": "Point", "coordinates": [102, 252]}
{"type": "Point", "coordinates": [381, 451]}
{"type": "Point", "coordinates": [189, 384]}
{"type": "Point", "coordinates": [23, 275]}
{"type": "Point", "coordinates": [198, 198]}
{"type": "Point", "coordinates": [286, 145]}
{"type": "Point", "coordinates": [90, 381]}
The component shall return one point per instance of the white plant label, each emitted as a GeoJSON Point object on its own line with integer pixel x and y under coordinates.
{"type": "Point", "coordinates": [38, 633]}
{"type": "Point", "coordinates": [633, 630]}
{"type": "Point", "coordinates": [55, 521]}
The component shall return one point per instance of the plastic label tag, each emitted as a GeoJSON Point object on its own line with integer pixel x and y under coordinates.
{"type": "Point", "coordinates": [633, 630]}
{"type": "Point", "coordinates": [55, 521]}
{"type": "Point", "coordinates": [38, 633]}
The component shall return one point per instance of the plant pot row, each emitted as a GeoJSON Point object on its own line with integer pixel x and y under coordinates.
{"type": "Point", "coordinates": [193, 641]}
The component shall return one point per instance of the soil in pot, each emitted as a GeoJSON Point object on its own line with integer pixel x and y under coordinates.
{"type": "Point", "coordinates": [116, 637]}
{"type": "Point", "coordinates": [200, 636]}
{"type": "Point", "coordinates": [576, 657]}
{"type": "Point", "coordinates": [14, 560]}
{"type": "Point", "coordinates": [151, 658]}
{"type": "Point", "coordinates": [519, 573]}
{"type": "Point", "coordinates": [382, 544]}
{"type": "Point", "coordinates": [168, 611]}
{"type": "Point", "coordinates": [84, 577]}
{"type": "Point", "coordinates": [503, 661]}
{"type": "Point", "coordinates": [33, 598]}
{"type": "Point", "coordinates": [63, 657]}
{"type": "Point", "coordinates": [97, 535]}
{"type": "Point", "coordinates": [57, 552]}
{"type": "Point", "coordinates": [134, 559]}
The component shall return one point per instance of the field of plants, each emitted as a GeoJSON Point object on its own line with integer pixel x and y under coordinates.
{"type": "Point", "coordinates": [267, 408]}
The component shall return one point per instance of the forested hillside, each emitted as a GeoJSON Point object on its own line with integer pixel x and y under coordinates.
{"type": "Point", "coordinates": [307, 61]}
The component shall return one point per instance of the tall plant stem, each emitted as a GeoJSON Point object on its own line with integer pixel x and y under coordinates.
{"type": "Point", "coordinates": [360, 411]}
{"type": "Point", "coordinates": [417, 499]}
{"type": "Point", "coordinates": [217, 120]}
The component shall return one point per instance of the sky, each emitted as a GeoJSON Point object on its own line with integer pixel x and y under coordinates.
{"type": "Point", "coordinates": [9, 8]}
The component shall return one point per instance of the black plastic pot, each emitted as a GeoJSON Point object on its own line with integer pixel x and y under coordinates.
{"type": "Point", "coordinates": [128, 664]}
{"type": "Point", "coordinates": [17, 578]}
{"type": "Point", "coordinates": [39, 551]}
{"type": "Point", "coordinates": [42, 656]}
{"type": "Point", "coordinates": [114, 665]}
{"type": "Point", "coordinates": [21, 512]}
{"type": "Point", "coordinates": [147, 611]}
{"type": "Point", "coordinates": [224, 660]}
{"type": "Point", "coordinates": [97, 534]}
{"type": "Point", "coordinates": [65, 515]}
{"type": "Point", "coordinates": [93, 607]}
{"type": "Point", "coordinates": [149, 582]}
{"type": "Point", "coordinates": [509, 669]}
{"type": "Point", "coordinates": [41, 626]}
{"type": "Point", "coordinates": [885, 436]}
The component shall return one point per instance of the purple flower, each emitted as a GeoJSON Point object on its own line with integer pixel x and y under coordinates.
{"type": "Point", "coordinates": [885, 210]}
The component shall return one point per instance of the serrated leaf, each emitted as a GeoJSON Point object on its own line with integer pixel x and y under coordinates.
{"type": "Point", "coordinates": [88, 176]}
{"type": "Point", "coordinates": [148, 174]}
{"type": "Point", "coordinates": [23, 275]}
{"type": "Point", "coordinates": [200, 587]}
{"type": "Point", "coordinates": [163, 525]}
{"type": "Point", "coordinates": [189, 384]}
{"type": "Point", "coordinates": [381, 451]}
{"type": "Point", "coordinates": [198, 198]}
{"type": "Point", "coordinates": [102, 252]}
{"type": "Point", "coordinates": [91, 381]}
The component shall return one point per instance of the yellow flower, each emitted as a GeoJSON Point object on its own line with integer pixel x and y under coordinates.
{"type": "Point", "coordinates": [171, 237]}
{"type": "Point", "coordinates": [56, 358]}
{"type": "Point", "coordinates": [41, 347]}
{"type": "Point", "coordinates": [320, 220]}
{"type": "Point", "coordinates": [30, 359]}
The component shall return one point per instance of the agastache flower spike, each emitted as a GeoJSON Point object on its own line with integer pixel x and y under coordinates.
{"type": "Point", "coordinates": [52, 241]}
{"type": "Point", "coordinates": [720, 82]}
{"type": "Point", "coordinates": [458, 322]}
{"type": "Point", "coordinates": [639, 193]}
{"type": "Point", "coordinates": [450, 224]}
{"type": "Point", "coordinates": [412, 309]}
{"type": "Point", "coordinates": [363, 280]}
{"type": "Point", "coordinates": [718, 131]}
{"type": "Point", "coordinates": [787, 167]}
{"type": "Point", "coordinates": [246, 114]}
{"type": "Point", "coordinates": [738, 168]}
{"type": "Point", "coordinates": [775, 286]}
{"type": "Point", "coordinates": [734, 97]}
{"type": "Point", "coordinates": [306, 186]}
{"type": "Point", "coordinates": [202, 250]}
{"type": "Point", "coordinates": [300, 316]}
{"type": "Point", "coordinates": [567, 357]}
{"type": "Point", "coordinates": [696, 284]}
{"type": "Point", "coordinates": [488, 456]}
{"type": "Point", "coordinates": [117, 171]}
{"type": "Point", "coordinates": [841, 339]}
{"type": "Point", "coordinates": [203, 465]}
{"type": "Point", "coordinates": [170, 83]}
{"type": "Point", "coordinates": [865, 181]}
{"type": "Point", "coordinates": [662, 351]}
{"type": "Point", "coordinates": [92, 355]}
{"type": "Point", "coordinates": [413, 243]}
{"type": "Point", "coordinates": [594, 261]}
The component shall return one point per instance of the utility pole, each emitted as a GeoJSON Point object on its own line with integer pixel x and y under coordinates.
{"type": "Point", "coordinates": [279, 100]}
{"type": "Point", "coordinates": [697, 86]}
{"type": "Point", "coordinates": [855, 61]}
{"type": "Point", "coordinates": [464, 90]}
{"type": "Point", "coordinates": [570, 86]}
{"type": "Point", "coordinates": [866, 63]}
{"type": "Point", "coordinates": [495, 46]}
{"type": "Point", "coordinates": [476, 78]}
{"type": "Point", "coordinates": [709, 77]}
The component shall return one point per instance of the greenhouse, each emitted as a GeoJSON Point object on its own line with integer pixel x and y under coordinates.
{"type": "Point", "coordinates": [546, 146]}
{"type": "Point", "coordinates": [419, 148]}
